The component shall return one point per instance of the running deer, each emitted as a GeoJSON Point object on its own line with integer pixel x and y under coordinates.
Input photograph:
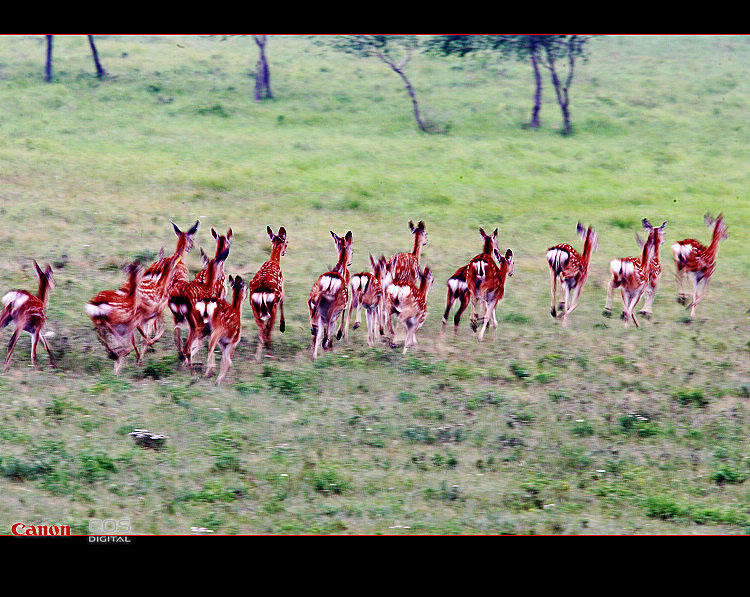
{"type": "Point", "coordinates": [160, 281]}
{"type": "Point", "coordinates": [405, 266]}
{"type": "Point", "coordinates": [117, 312]}
{"type": "Point", "coordinates": [224, 322]}
{"type": "Point", "coordinates": [485, 280]}
{"type": "Point", "coordinates": [632, 276]}
{"type": "Point", "coordinates": [698, 261]}
{"type": "Point", "coordinates": [458, 289]}
{"type": "Point", "coordinates": [572, 270]}
{"type": "Point", "coordinates": [266, 292]}
{"type": "Point", "coordinates": [183, 305]}
{"type": "Point", "coordinates": [409, 302]}
{"type": "Point", "coordinates": [367, 291]}
{"type": "Point", "coordinates": [329, 296]}
{"type": "Point", "coordinates": [223, 241]}
{"type": "Point", "coordinates": [656, 237]}
{"type": "Point", "coordinates": [29, 313]}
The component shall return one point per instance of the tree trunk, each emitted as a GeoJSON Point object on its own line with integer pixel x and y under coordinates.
{"type": "Point", "coordinates": [538, 93]}
{"type": "Point", "coordinates": [99, 70]}
{"type": "Point", "coordinates": [413, 97]}
{"type": "Point", "coordinates": [561, 91]}
{"type": "Point", "coordinates": [48, 64]}
{"type": "Point", "coordinates": [263, 74]}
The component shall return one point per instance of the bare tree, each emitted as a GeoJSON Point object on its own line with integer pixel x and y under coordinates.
{"type": "Point", "coordinates": [262, 74]}
{"type": "Point", "coordinates": [100, 72]}
{"type": "Point", "coordinates": [394, 50]}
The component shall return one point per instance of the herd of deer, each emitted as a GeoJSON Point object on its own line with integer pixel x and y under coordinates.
{"type": "Point", "coordinates": [396, 286]}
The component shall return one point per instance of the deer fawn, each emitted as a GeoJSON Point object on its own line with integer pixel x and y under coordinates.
{"type": "Point", "coordinates": [367, 291]}
{"type": "Point", "coordinates": [485, 280]}
{"type": "Point", "coordinates": [405, 266]}
{"type": "Point", "coordinates": [184, 305]}
{"type": "Point", "coordinates": [224, 321]}
{"type": "Point", "coordinates": [458, 289]}
{"type": "Point", "coordinates": [697, 260]}
{"type": "Point", "coordinates": [632, 275]}
{"type": "Point", "coordinates": [223, 241]}
{"type": "Point", "coordinates": [28, 313]}
{"type": "Point", "coordinates": [409, 302]}
{"type": "Point", "coordinates": [159, 282]}
{"type": "Point", "coordinates": [329, 296]}
{"type": "Point", "coordinates": [656, 238]}
{"type": "Point", "coordinates": [266, 291]}
{"type": "Point", "coordinates": [118, 312]}
{"type": "Point", "coordinates": [572, 269]}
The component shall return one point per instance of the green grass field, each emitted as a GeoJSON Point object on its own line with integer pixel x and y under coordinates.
{"type": "Point", "coordinates": [592, 429]}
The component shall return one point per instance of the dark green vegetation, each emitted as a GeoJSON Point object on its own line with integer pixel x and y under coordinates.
{"type": "Point", "coordinates": [591, 429]}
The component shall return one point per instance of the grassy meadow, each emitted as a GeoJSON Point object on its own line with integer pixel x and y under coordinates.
{"type": "Point", "coordinates": [591, 429]}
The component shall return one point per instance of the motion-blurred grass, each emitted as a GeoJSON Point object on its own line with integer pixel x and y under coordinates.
{"type": "Point", "coordinates": [591, 429]}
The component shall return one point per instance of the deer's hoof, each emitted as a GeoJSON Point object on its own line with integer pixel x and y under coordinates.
{"type": "Point", "coordinates": [645, 314]}
{"type": "Point", "coordinates": [356, 325]}
{"type": "Point", "coordinates": [553, 312]}
{"type": "Point", "coordinates": [607, 312]}
{"type": "Point", "coordinates": [682, 299]}
{"type": "Point", "coordinates": [338, 334]}
{"type": "Point", "coordinates": [282, 327]}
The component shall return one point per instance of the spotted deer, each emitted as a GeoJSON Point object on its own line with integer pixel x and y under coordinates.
{"type": "Point", "coordinates": [458, 289]}
{"type": "Point", "coordinates": [698, 261]}
{"type": "Point", "coordinates": [29, 314]}
{"type": "Point", "coordinates": [183, 305]}
{"type": "Point", "coordinates": [571, 268]}
{"type": "Point", "coordinates": [367, 292]}
{"type": "Point", "coordinates": [632, 275]}
{"type": "Point", "coordinates": [656, 237]}
{"type": "Point", "coordinates": [409, 302]}
{"type": "Point", "coordinates": [485, 280]}
{"type": "Point", "coordinates": [329, 297]}
{"type": "Point", "coordinates": [405, 266]}
{"type": "Point", "coordinates": [266, 292]}
{"type": "Point", "coordinates": [223, 241]}
{"type": "Point", "coordinates": [224, 322]}
{"type": "Point", "coordinates": [117, 312]}
{"type": "Point", "coordinates": [159, 282]}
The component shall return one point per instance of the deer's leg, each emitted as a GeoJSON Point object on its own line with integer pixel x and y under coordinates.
{"type": "Point", "coordinates": [12, 345]}
{"type": "Point", "coordinates": [226, 362]}
{"type": "Point", "coordinates": [494, 321]}
{"type": "Point", "coordinates": [485, 320]}
{"type": "Point", "coordinates": [354, 304]}
{"type": "Point", "coordinates": [319, 331]}
{"type": "Point", "coordinates": [650, 293]}
{"type": "Point", "coordinates": [282, 321]}
{"type": "Point", "coordinates": [49, 352]}
{"type": "Point", "coordinates": [680, 283]}
{"type": "Point", "coordinates": [608, 305]}
{"type": "Point", "coordinates": [34, 342]}
{"type": "Point", "coordinates": [370, 314]}
{"type": "Point", "coordinates": [553, 290]}
{"type": "Point", "coordinates": [464, 302]}
{"type": "Point", "coordinates": [346, 324]}
{"type": "Point", "coordinates": [698, 294]}
{"type": "Point", "coordinates": [448, 305]}
{"type": "Point", "coordinates": [211, 359]}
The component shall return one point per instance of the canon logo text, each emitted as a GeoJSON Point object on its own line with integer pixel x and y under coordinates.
{"type": "Point", "coordinates": [40, 530]}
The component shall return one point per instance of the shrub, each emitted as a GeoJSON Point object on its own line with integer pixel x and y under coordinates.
{"type": "Point", "coordinates": [688, 397]}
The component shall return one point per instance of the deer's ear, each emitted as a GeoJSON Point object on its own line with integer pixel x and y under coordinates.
{"type": "Point", "coordinates": [38, 269]}
{"type": "Point", "coordinates": [482, 232]}
{"type": "Point", "coordinates": [638, 240]}
{"type": "Point", "coordinates": [231, 280]}
{"type": "Point", "coordinates": [282, 233]}
{"type": "Point", "coordinates": [348, 236]}
{"type": "Point", "coordinates": [194, 229]}
{"type": "Point", "coordinates": [646, 224]}
{"type": "Point", "coordinates": [509, 256]}
{"type": "Point", "coordinates": [229, 234]}
{"type": "Point", "coordinates": [495, 233]}
{"type": "Point", "coordinates": [270, 232]}
{"type": "Point", "coordinates": [213, 233]}
{"type": "Point", "coordinates": [177, 231]}
{"type": "Point", "coordinates": [411, 225]}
